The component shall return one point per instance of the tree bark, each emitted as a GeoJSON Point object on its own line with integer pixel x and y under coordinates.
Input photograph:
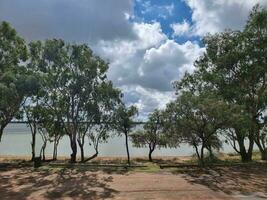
{"type": "Point", "coordinates": [42, 153]}
{"type": "Point", "coordinates": [33, 142]}
{"type": "Point", "coordinates": [127, 148]}
{"type": "Point", "coordinates": [264, 154]}
{"type": "Point", "coordinates": [1, 132]}
{"type": "Point", "coordinates": [202, 155]}
{"type": "Point", "coordinates": [91, 157]}
{"type": "Point", "coordinates": [150, 155]}
{"type": "Point", "coordinates": [73, 145]}
{"type": "Point", "coordinates": [82, 150]}
{"type": "Point", "coordinates": [151, 150]}
{"type": "Point", "coordinates": [246, 155]}
{"type": "Point", "coordinates": [55, 148]}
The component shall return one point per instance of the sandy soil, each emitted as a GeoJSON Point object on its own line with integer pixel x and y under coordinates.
{"type": "Point", "coordinates": [74, 184]}
{"type": "Point", "coordinates": [18, 181]}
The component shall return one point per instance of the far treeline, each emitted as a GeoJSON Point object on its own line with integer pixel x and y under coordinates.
{"type": "Point", "coordinates": [62, 89]}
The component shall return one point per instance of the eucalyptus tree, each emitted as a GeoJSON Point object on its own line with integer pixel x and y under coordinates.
{"type": "Point", "coordinates": [15, 81]}
{"type": "Point", "coordinates": [99, 117]}
{"type": "Point", "coordinates": [235, 64]}
{"type": "Point", "coordinates": [196, 120]}
{"type": "Point", "coordinates": [72, 77]}
{"type": "Point", "coordinates": [152, 136]}
{"type": "Point", "coordinates": [123, 123]}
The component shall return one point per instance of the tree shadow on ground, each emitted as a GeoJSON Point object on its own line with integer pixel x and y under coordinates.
{"type": "Point", "coordinates": [232, 179]}
{"type": "Point", "coordinates": [54, 183]}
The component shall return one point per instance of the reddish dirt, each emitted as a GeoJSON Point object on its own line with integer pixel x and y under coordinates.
{"type": "Point", "coordinates": [25, 183]}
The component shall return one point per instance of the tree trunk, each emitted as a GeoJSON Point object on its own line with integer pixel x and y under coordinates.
{"type": "Point", "coordinates": [73, 145]}
{"type": "Point", "coordinates": [55, 148]}
{"type": "Point", "coordinates": [33, 142]}
{"type": "Point", "coordinates": [202, 155]}
{"type": "Point", "coordinates": [150, 155]}
{"type": "Point", "coordinates": [91, 157]}
{"type": "Point", "coordinates": [127, 148]}
{"type": "Point", "coordinates": [152, 146]}
{"type": "Point", "coordinates": [264, 154]}
{"type": "Point", "coordinates": [1, 132]}
{"type": "Point", "coordinates": [246, 156]}
{"type": "Point", "coordinates": [42, 153]}
{"type": "Point", "coordinates": [82, 150]}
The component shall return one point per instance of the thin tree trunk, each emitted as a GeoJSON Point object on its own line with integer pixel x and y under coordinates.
{"type": "Point", "coordinates": [82, 150]}
{"type": "Point", "coordinates": [127, 148]}
{"type": "Point", "coordinates": [151, 150]}
{"type": "Point", "coordinates": [1, 132]}
{"type": "Point", "coordinates": [33, 142]}
{"type": "Point", "coordinates": [196, 149]}
{"type": "Point", "coordinates": [202, 155]}
{"type": "Point", "coordinates": [91, 157]}
{"type": "Point", "coordinates": [55, 148]}
{"type": "Point", "coordinates": [42, 153]}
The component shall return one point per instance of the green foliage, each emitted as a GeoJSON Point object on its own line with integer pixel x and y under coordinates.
{"type": "Point", "coordinates": [152, 136]}
{"type": "Point", "coordinates": [15, 81]}
{"type": "Point", "coordinates": [124, 119]}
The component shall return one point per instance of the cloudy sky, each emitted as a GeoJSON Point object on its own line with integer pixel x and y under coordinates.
{"type": "Point", "coordinates": [148, 43]}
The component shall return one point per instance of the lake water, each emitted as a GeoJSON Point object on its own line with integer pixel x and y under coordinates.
{"type": "Point", "coordinates": [16, 140]}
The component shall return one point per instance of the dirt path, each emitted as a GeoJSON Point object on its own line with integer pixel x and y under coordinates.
{"type": "Point", "coordinates": [24, 184]}
{"type": "Point", "coordinates": [160, 186]}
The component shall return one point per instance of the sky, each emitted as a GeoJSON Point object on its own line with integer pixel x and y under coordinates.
{"type": "Point", "coordinates": [148, 43]}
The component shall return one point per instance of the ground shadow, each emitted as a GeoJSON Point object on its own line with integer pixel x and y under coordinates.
{"type": "Point", "coordinates": [26, 183]}
{"type": "Point", "coordinates": [245, 179]}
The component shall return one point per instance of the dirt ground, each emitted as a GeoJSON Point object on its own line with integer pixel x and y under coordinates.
{"type": "Point", "coordinates": [74, 183]}
{"type": "Point", "coordinates": [20, 181]}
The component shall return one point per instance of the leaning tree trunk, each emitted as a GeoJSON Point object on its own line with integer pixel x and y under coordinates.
{"type": "Point", "coordinates": [91, 157]}
{"type": "Point", "coordinates": [127, 148]}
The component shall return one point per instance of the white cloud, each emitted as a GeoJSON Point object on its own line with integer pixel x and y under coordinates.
{"type": "Point", "coordinates": [180, 29]}
{"type": "Point", "coordinates": [145, 99]}
{"type": "Point", "coordinates": [211, 16]}
{"type": "Point", "coordinates": [145, 67]}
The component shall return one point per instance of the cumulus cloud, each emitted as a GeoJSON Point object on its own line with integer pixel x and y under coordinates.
{"type": "Point", "coordinates": [180, 29]}
{"type": "Point", "coordinates": [211, 16]}
{"type": "Point", "coordinates": [143, 59]}
{"type": "Point", "coordinates": [145, 99]}
{"type": "Point", "coordinates": [146, 66]}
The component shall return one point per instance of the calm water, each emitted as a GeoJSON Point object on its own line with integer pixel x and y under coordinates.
{"type": "Point", "coordinates": [17, 139]}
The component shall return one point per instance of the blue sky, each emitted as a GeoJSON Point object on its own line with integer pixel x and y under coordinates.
{"type": "Point", "coordinates": [148, 43]}
{"type": "Point", "coordinates": [166, 12]}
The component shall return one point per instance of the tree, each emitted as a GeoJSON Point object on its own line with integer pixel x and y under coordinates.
{"type": "Point", "coordinates": [15, 82]}
{"type": "Point", "coordinates": [72, 78]}
{"type": "Point", "coordinates": [235, 63]}
{"type": "Point", "coordinates": [196, 119]}
{"type": "Point", "coordinates": [237, 132]}
{"type": "Point", "coordinates": [152, 135]}
{"type": "Point", "coordinates": [123, 123]}
{"type": "Point", "coordinates": [99, 117]}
